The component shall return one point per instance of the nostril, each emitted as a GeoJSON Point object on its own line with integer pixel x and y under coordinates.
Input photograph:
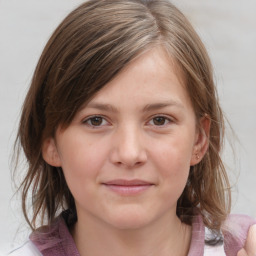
{"type": "Point", "coordinates": [129, 165]}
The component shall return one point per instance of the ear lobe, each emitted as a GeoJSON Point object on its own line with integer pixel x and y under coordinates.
{"type": "Point", "coordinates": [50, 153]}
{"type": "Point", "coordinates": [202, 140]}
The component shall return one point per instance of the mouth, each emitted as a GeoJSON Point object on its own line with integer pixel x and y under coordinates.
{"type": "Point", "coordinates": [128, 187]}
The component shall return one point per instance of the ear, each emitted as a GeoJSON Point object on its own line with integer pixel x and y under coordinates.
{"type": "Point", "coordinates": [50, 153]}
{"type": "Point", "coordinates": [201, 141]}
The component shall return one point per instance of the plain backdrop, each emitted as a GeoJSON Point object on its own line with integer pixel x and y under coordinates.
{"type": "Point", "coordinates": [228, 29]}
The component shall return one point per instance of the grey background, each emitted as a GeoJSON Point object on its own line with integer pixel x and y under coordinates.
{"type": "Point", "coordinates": [228, 29]}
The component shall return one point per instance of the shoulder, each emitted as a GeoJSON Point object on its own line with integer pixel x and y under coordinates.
{"type": "Point", "coordinates": [235, 231]}
{"type": "Point", "coordinates": [234, 234]}
{"type": "Point", "coordinates": [236, 226]}
{"type": "Point", "coordinates": [239, 221]}
{"type": "Point", "coordinates": [27, 249]}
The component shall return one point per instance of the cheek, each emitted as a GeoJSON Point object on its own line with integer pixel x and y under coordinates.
{"type": "Point", "coordinates": [174, 165]}
{"type": "Point", "coordinates": [82, 164]}
{"type": "Point", "coordinates": [172, 160]}
{"type": "Point", "coordinates": [175, 152]}
{"type": "Point", "coordinates": [81, 160]}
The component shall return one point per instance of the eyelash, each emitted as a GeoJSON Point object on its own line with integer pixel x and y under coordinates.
{"type": "Point", "coordinates": [166, 119]}
{"type": "Point", "coordinates": [89, 119]}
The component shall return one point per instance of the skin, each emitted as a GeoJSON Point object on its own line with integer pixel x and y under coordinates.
{"type": "Point", "coordinates": [250, 244]}
{"type": "Point", "coordinates": [141, 125]}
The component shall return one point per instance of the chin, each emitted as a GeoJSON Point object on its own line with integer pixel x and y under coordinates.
{"type": "Point", "coordinates": [130, 220]}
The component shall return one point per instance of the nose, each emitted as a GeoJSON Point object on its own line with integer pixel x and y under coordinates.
{"type": "Point", "coordinates": [128, 148]}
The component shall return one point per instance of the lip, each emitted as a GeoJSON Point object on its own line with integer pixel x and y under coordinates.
{"type": "Point", "coordinates": [128, 187]}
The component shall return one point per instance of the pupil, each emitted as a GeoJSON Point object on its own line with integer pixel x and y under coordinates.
{"type": "Point", "coordinates": [159, 120]}
{"type": "Point", "coordinates": [96, 121]}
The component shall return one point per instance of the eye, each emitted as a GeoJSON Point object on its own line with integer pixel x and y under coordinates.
{"type": "Point", "coordinates": [159, 121]}
{"type": "Point", "coordinates": [95, 121]}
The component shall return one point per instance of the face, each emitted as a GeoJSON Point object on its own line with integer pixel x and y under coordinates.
{"type": "Point", "coordinates": [126, 155]}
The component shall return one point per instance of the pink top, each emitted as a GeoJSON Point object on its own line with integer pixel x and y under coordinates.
{"type": "Point", "coordinates": [57, 241]}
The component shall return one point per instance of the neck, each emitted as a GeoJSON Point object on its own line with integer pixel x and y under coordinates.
{"type": "Point", "coordinates": [171, 237]}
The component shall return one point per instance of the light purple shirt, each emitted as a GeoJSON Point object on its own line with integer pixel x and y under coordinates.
{"type": "Point", "coordinates": [57, 240]}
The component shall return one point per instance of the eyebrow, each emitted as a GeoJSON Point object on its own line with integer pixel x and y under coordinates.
{"type": "Point", "coordinates": [156, 106]}
{"type": "Point", "coordinates": [103, 107]}
{"type": "Point", "coordinates": [146, 108]}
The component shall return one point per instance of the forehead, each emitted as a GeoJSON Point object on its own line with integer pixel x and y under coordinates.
{"type": "Point", "coordinates": [151, 77]}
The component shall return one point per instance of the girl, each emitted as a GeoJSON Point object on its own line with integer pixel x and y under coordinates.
{"type": "Point", "coordinates": [122, 131]}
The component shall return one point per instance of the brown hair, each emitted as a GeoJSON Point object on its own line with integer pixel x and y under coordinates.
{"type": "Point", "coordinates": [88, 49]}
